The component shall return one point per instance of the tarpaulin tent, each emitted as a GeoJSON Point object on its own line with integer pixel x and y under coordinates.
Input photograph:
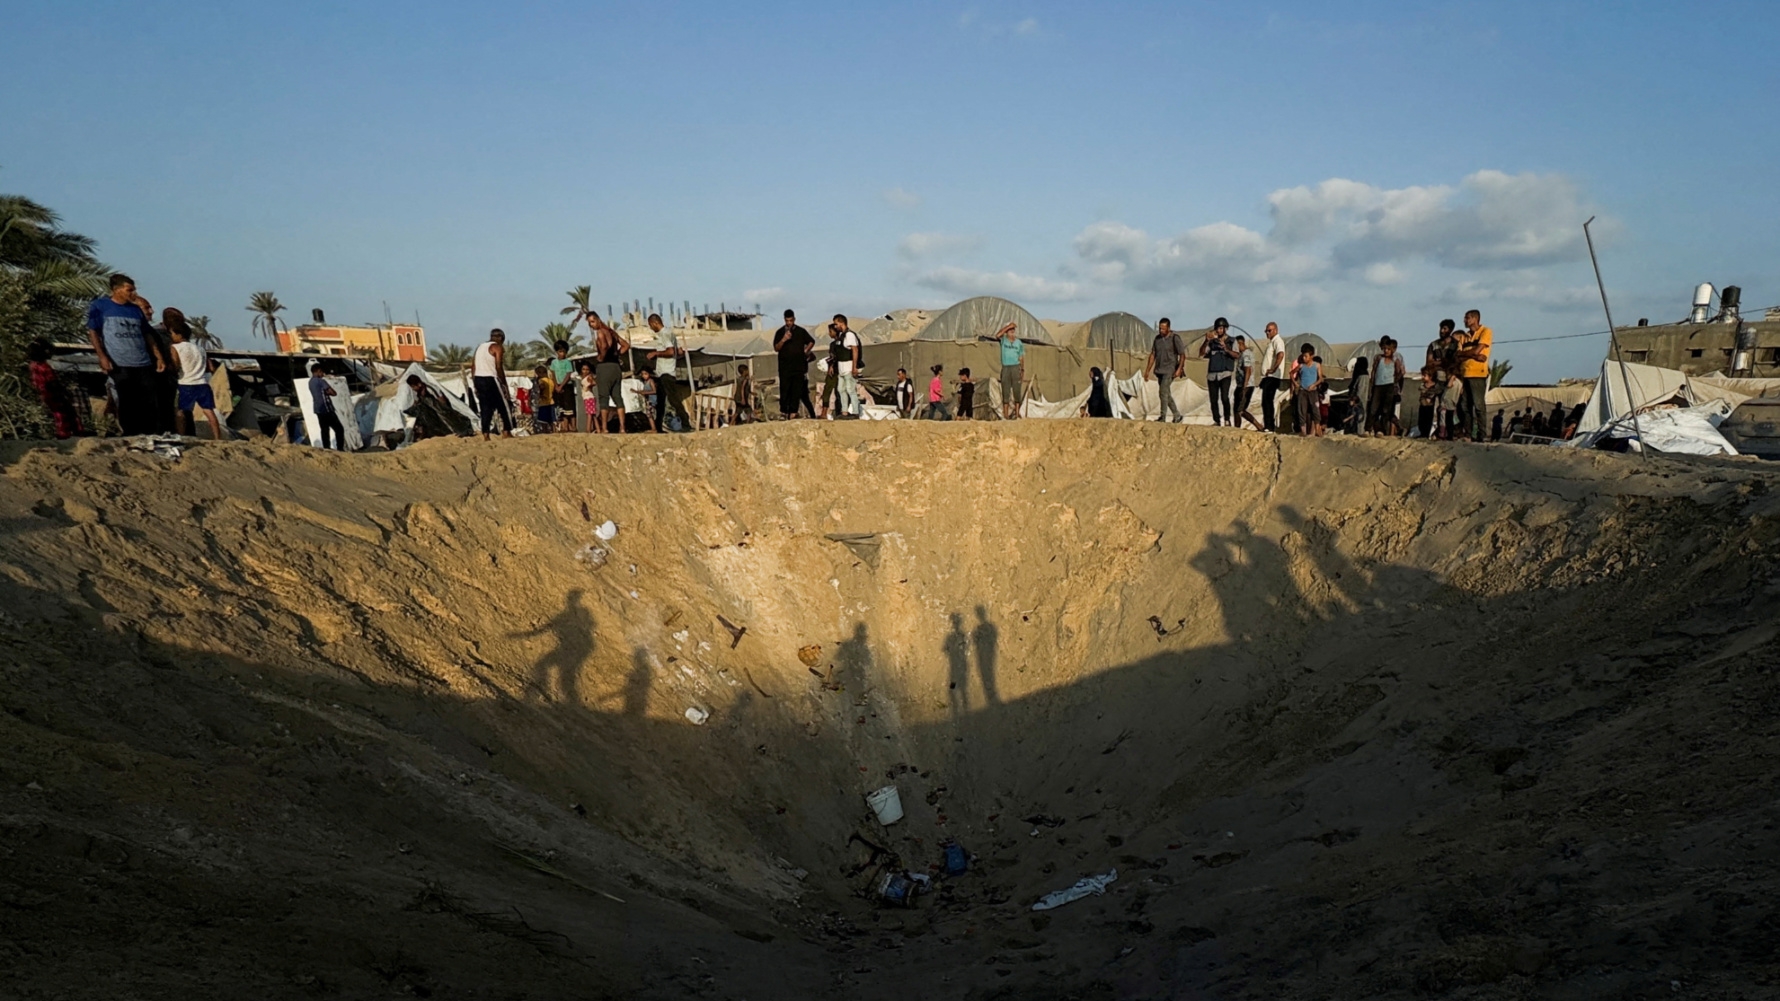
{"type": "Point", "coordinates": [392, 410]}
{"type": "Point", "coordinates": [1626, 401]}
{"type": "Point", "coordinates": [980, 318]}
{"type": "Point", "coordinates": [896, 325]}
{"type": "Point", "coordinates": [1121, 332]}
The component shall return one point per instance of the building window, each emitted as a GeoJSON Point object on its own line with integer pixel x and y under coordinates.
{"type": "Point", "coordinates": [1770, 356]}
{"type": "Point", "coordinates": [1637, 356]}
{"type": "Point", "coordinates": [1695, 352]}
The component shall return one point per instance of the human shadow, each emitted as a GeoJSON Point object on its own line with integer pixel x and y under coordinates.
{"type": "Point", "coordinates": [852, 660]}
{"type": "Point", "coordinates": [636, 684]}
{"type": "Point", "coordinates": [559, 671]}
{"type": "Point", "coordinates": [986, 638]}
{"type": "Point", "coordinates": [957, 651]}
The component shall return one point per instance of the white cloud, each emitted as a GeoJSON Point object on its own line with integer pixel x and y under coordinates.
{"type": "Point", "coordinates": [763, 294]}
{"type": "Point", "coordinates": [918, 246]}
{"type": "Point", "coordinates": [1027, 27]}
{"type": "Point", "coordinates": [1217, 255]}
{"type": "Point", "coordinates": [1021, 288]}
{"type": "Point", "coordinates": [1491, 220]}
{"type": "Point", "coordinates": [1383, 274]}
{"type": "Point", "coordinates": [902, 199]}
{"type": "Point", "coordinates": [1525, 287]}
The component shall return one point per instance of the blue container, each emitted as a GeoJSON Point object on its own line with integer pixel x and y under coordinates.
{"type": "Point", "coordinates": [957, 862]}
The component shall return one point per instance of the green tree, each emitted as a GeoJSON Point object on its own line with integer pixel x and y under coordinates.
{"type": "Point", "coordinates": [47, 277]}
{"type": "Point", "coordinates": [580, 304]}
{"type": "Point", "coordinates": [449, 357]}
{"type": "Point", "coordinates": [544, 348]}
{"type": "Point", "coordinates": [201, 334]}
{"type": "Point", "coordinates": [1498, 371]}
{"type": "Point", "coordinates": [266, 307]}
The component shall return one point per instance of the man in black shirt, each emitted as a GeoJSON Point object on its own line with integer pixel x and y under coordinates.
{"type": "Point", "coordinates": [795, 347]}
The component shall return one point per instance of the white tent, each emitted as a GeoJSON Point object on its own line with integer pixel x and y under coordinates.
{"type": "Point", "coordinates": [1690, 427]}
{"type": "Point", "coordinates": [392, 410]}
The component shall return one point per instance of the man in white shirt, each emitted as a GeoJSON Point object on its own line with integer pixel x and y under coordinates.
{"type": "Point", "coordinates": [1275, 367]}
{"type": "Point", "coordinates": [666, 361]}
{"type": "Point", "coordinates": [848, 369]}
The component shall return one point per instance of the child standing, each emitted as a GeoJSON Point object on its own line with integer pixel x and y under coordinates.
{"type": "Point", "coordinates": [590, 400]}
{"type": "Point", "coordinates": [544, 393]}
{"type": "Point", "coordinates": [1307, 392]}
{"type": "Point", "coordinates": [967, 394]}
{"type": "Point", "coordinates": [50, 391]}
{"type": "Point", "coordinates": [194, 376]}
{"type": "Point", "coordinates": [936, 396]}
{"type": "Point", "coordinates": [905, 394]}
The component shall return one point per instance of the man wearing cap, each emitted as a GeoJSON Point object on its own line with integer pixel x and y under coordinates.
{"type": "Point", "coordinates": [1013, 368]}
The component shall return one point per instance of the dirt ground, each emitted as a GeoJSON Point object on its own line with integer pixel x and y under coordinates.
{"type": "Point", "coordinates": [1351, 719]}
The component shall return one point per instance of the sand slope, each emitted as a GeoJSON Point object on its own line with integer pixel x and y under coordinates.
{"type": "Point", "coordinates": [1351, 718]}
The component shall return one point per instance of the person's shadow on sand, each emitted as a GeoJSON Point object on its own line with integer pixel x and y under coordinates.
{"type": "Point", "coordinates": [559, 671]}
{"type": "Point", "coordinates": [957, 651]}
{"type": "Point", "coordinates": [986, 638]}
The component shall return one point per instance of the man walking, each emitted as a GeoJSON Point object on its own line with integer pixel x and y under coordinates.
{"type": "Point", "coordinates": [1168, 358]}
{"type": "Point", "coordinates": [847, 366]}
{"type": "Point", "coordinates": [1275, 364]}
{"type": "Point", "coordinates": [1474, 368]}
{"type": "Point", "coordinates": [1013, 369]}
{"type": "Point", "coordinates": [118, 329]}
{"type": "Point", "coordinates": [489, 375]}
{"type": "Point", "coordinates": [666, 366]}
{"type": "Point", "coordinates": [795, 348]}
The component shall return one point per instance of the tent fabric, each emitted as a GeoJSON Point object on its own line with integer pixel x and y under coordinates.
{"type": "Point", "coordinates": [1342, 355]}
{"type": "Point", "coordinates": [1747, 387]}
{"type": "Point", "coordinates": [1617, 395]}
{"type": "Point", "coordinates": [1122, 332]}
{"type": "Point", "coordinates": [392, 410]}
{"type": "Point", "coordinates": [1145, 396]}
{"type": "Point", "coordinates": [1673, 430]}
{"type": "Point", "coordinates": [980, 318]}
{"type": "Point", "coordinates": [730, 343]}
{"type": "Point", "coordinates": [1691, 429]}
{"type": "Point", "coordinates": [1569, 394]}
{"type": "Point", "coordinates": [896, 325]}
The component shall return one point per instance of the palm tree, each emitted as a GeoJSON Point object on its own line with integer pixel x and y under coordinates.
{"type": "Point", "coordinates": [1498, 371]}
{"type": "Point", "coordinates": [449, 357]}
{"type": "Point", "coordinates": [201, 334]}
{"type": "Point", "coordinates": [580, 297]}
{"type": "Point", "coordinates": [266, 307]}
{"type": "Point", "coordinates": [55, 273]}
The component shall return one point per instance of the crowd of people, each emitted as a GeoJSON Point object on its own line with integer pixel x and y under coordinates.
{"type": "Point", "coordinates": [1454, 383]}
{"type": "Point", "coordinates": [158, 380]}
{"type": "Point", "coordinates": [157, 376]}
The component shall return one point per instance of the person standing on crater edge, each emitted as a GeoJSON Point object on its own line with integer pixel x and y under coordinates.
{"type": "Point", "coordinates": [795, 348]}
{"type": "Point", "coordinates": [489, 375]}
{"type": "Point", "coordinates": [1013, 368]}
{"type": "Point", "coordinates": [119, 331]}
{"type": "Point", "coordinates": [1167, 360]}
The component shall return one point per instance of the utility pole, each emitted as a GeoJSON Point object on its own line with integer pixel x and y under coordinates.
{"type": "Point", "coordinates": [1613, 337]}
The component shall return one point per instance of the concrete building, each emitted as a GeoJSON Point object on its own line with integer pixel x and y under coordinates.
{"type": "Point", "coordinates": [389, 342]}
{"type": "Point", "coordinates": [1703, 348]}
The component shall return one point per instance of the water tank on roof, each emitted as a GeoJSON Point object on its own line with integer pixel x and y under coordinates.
{"type": "Point", "coordinates": [1702, 302]}
{"type": "Point", "coordinates": [1728, 302]}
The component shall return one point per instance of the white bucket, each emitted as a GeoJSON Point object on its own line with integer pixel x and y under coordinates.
{"type": "Point", "coordinates": [886, 803]}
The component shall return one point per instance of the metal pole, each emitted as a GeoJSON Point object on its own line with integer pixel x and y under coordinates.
{"type": "Point", "coordinates": [1613, 334]}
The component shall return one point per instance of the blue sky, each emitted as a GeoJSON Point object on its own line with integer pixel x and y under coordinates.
{"type": "Point", "coordinates": [1354, 169]}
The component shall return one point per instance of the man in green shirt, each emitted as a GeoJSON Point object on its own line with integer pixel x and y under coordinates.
{"type": "Point", "coordinates": [1013, 369]}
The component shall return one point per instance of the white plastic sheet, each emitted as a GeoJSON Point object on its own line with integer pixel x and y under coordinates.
{"type": "Point", "coordinates": [1087, 886]}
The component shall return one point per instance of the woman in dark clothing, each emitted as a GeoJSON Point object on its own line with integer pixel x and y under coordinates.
{"type": "Point", "coordinates": [1099, 404]}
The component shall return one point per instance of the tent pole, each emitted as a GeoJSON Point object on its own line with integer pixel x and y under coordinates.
{"type": "Point", "coordinates": [1613, 335]}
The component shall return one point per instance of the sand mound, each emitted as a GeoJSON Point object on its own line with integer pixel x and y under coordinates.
{"type": "Point", "coordinates": [1350, 718]}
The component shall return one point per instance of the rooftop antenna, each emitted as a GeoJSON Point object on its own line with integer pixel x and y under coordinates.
{"type": "Point", "coordinates": [1613, 335]}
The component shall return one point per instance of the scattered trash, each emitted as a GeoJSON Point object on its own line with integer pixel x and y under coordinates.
{"type": "Point", "coordinates": [1041, 820]}
{"type": "Point", "coordinates": [735, 632]}
{"type": "Point", "coordinates": [864, 545]}
{"type": "Point", "coordinates": [1087, 886]}
{"type": "Point", "coordinates": [1161, 630]}
{"type": "Point", "coordinates": [592, 555]}
{"type": "Point", "coordinates": [957, 860]}
{"type": "Point", "coordinates": [810, 655]}
{"type": "Point", "coordinates": [895, 889]}
{"type": "Point", "coordinates": [606, 532]}
{"type": "Point", "coordinates": [750, 676]}
{"type": "Point", "coordinates": [697, 716]}
{"type": "Point", "coordinates": [886, 803]}
{"type": "Point", "coordinates": [165, 446]}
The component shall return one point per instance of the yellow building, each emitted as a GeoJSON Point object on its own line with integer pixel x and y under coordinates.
{"type": "Point", "coordinates": [394, 342]}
